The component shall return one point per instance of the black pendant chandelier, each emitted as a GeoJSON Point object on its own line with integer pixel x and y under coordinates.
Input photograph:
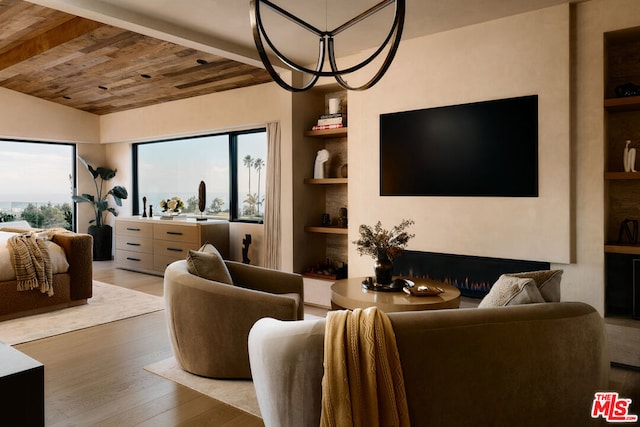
{"type": "Point", "coordinates": [326, 45]}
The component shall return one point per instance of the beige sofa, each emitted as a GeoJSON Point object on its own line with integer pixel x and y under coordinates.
{"type": "Point", "coordinates": [209, 321]}
{"type": "Point", "coordinates": [70, 288]}
{"type": "Point", "coordinates": [525, 365]}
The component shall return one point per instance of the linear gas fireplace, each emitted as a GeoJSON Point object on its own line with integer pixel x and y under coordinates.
{"type": "Point", "coordinates": [472, 275]}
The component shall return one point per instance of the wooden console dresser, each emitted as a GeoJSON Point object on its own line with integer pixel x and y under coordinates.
{"type": "Point", "coordinates": [148, 245]}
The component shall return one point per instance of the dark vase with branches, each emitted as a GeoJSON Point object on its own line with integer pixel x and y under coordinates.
{"type": "Point", "coordinates": [101, 231]}
{"type": "Point", "coordinates": [383, 245]}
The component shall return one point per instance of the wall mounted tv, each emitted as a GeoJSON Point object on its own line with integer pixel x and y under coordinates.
{"type": "Point", "coordinates": [484, 149]}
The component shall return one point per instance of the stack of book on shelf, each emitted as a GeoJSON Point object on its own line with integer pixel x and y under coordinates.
{"type": "Point", "coordinates": [331, 121]}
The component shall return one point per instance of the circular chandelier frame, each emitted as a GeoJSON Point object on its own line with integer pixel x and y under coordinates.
{"type": "Point", "coordinates": [326, 46]}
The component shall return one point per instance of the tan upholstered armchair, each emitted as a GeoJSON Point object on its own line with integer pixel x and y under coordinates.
{"type": "Point", "coordinates": [209, 321]}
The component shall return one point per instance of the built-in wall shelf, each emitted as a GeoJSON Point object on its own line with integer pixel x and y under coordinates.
{"type": "Point", "coordinates": [622, 249]}
{"type": "Point", "coordinates": [622, 189]}
{"type": "Point", "coordinates": [621, 175]}
{"type": "Point", "coordinates": [320, 233]}
{"type": "Point", "coordinates": [628, 103]}
{"type": "Point", "coordinates": [327, 133]}
{"type": "Point", "coordinates": [325, 181]}
{"type": "Point", "coordinates": [327, 230]}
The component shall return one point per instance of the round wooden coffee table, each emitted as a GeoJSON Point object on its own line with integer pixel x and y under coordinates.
{"type": "Point", "coordinates": [349, 294]}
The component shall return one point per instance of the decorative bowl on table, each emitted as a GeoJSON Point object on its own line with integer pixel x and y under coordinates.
{"type": "Point", "coordinates": [423, 290]}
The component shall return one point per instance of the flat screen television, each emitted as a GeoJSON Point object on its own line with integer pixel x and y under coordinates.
{"type": "Point", "coordinates": [487, 148]}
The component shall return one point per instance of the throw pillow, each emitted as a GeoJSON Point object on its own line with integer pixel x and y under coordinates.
{"type": "Point", "coordinates": [208, 248]}
{"type": "Point", "coordinates": [548, 282]}
{"type": "Point", "coordinates": [208, 264]}
{"type": "Point", "coordinates": [510, 290]}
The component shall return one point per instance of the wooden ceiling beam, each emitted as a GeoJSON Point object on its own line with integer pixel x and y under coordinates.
{"type": "Point", "coordinates": [63, 33]}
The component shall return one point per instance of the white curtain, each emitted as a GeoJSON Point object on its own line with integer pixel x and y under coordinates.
{"type": "Point", "coordinates": [272, 231]}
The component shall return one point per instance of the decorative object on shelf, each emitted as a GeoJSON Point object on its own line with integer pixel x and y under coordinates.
{"type": "Point", "coordinates": [343, 221]}
{"type": "Point", "coordinates": [171, 207]}
{"type": "Point", "coordinates": [326, 45]}
{"type": "Point", "coordinates": [246, 242]}
{"type": "Point", "coordinates": [383, 245]}
{"type": "Point", "coordinates": [627, 89]}
{"type": "Point", "coordinates": [334, 105]}
{"type": "Point", "coordinates": [629, 158]}
{"type": "Point", "coordinates": [335, 119]}
{"type": "Point", "coordinates": [321, 159]}
{"type": "Point", "coordinates": [150, 211]}
{"type": "Point", "coordinates": [202, 200]}
{"type": "Point", "coordinates": [325, 220]}
{"type": "Point", "coordinates": [144, 207]}
{"type": "Point", "coordinates": [344, 171]}
{"type": "Point", "coordinates": [628, 232]}
{"type": "Point", "coordinates": [102, 233]}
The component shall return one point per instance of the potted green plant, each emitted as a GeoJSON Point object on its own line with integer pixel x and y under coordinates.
{"type": "Point", "coordinates": [101, 231]}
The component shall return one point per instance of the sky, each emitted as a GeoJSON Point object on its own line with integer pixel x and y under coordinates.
{"type": "Point", "coordinates": [35, 172]}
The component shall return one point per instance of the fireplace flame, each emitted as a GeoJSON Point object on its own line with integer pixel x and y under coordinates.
{"type": "Point", "coordinates": [467, 287]}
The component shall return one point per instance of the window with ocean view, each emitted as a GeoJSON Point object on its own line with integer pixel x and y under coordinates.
{"type": "Point", "coordinates": [232, 165]}
{"type": "Point", "coordinates": [37, 183]}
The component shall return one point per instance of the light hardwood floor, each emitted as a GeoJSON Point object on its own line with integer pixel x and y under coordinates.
{"type": "Point", "coordinates": [95, 377]}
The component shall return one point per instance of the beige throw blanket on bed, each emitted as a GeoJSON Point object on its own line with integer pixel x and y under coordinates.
{"type": "Point", "coordinates": [363, 383]}
{"type": "Point", "coordinates": [31, 260]}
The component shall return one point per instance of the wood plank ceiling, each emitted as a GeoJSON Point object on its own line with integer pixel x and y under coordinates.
{"type": "Point", "coordinates": [102, 69]}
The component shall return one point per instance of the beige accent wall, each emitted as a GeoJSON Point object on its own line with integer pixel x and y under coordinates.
{"type": "Point", "coordinates": [95, 155]}
{"type": "Point", "coordinates": [27, 117]}
{"type": "Point", "coordinates": [521, 55]}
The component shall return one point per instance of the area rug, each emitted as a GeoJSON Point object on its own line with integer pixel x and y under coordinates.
{"type": "Point", "coordinates": [108, 304]}
{"type": "Point", "coordinates": [237, 393]}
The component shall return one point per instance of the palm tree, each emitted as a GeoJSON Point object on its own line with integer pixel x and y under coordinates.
{"type": "Point", "coordinates": [248, 162]}
{"type": "Point", "coordinates": [250, 201]}
{"type": "Point", "coordinates": [258, 164]}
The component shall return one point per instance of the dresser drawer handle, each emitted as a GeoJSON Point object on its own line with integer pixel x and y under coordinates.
{"type": "Point", "coordinates": [133, 229]}
{"type": "Point", "coordinates": [133, 244]}
{"type": "Point", "coordinates": [133, 259]}
{"type": "Point", "coordinates": [174, 249]}
{"type": "Point", "coordinates": [174, 233]}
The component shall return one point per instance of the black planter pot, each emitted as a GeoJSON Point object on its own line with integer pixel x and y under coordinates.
{"type": "Point", "coordinates": [102, 242]}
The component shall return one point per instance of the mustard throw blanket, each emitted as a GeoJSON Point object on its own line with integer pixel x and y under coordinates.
{"type": "Point", "coordinates": [31, 261]}
{"type": "Point", "coordinates": [363, 383]}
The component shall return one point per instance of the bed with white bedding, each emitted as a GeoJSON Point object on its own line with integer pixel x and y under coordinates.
{"type": "Point", "coordinates": [71, 264]}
